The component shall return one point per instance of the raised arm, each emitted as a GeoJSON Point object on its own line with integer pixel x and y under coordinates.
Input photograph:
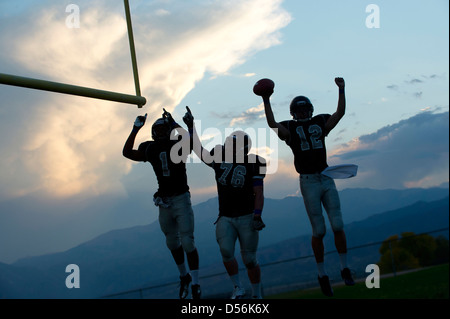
{"type": "Point", "coordinates": [197, 146]}
{"type": "Point", "coordinates": [282, 132]}
{"type": "Point", "coordinates": [128, 150]}
{"type": "Point", "coordinates": [340, 111]}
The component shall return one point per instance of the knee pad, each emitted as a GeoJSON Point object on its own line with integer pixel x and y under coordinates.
{"type": "Point", "coordinates": [337, 224]}
{"type": "Point", "coordinates": [227, 254]}
{"type": "Point", "coordinates": [188, 243]}
{"type": "Point", "coordinates": [319, 232]}
{"type": "Point", "coordinates": [172, 242]}
{"type": "Point", "coordinates": [249, 259]}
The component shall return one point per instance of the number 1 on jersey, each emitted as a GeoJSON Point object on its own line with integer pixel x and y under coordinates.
{"type": "Point", "coordinates": [164, 163]}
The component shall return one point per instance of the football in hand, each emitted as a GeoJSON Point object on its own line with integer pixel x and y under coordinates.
{"type": "Point", "coordinates": [264, 87]}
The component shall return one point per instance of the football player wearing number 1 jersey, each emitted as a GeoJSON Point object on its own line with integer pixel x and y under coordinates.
{"type": "Point", "coordinates": [176, 217]}
{"type": "Point", "coordinates": [239, 178]}
{"type": "Point", "coordinates": [305, 135]}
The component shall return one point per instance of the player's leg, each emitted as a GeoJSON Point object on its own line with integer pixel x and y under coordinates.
{"type": "Point", "coordinates": [312, 192]}
{"type": "Point", "coordinates": [311, 189]}
{"type": "Point", "coordinates": [248, 239]}
{"type": "Point", "coordinates": [226, 236]}
{"type": "Point", "coordinates": [169, 227]}
{"type": "Point", "coordinates": [331, 203]}
{"type": "Point", "coordinates": [185, 222]}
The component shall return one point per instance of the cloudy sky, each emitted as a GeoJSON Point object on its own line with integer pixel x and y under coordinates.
{"type": "Point", "coordinates": [208, 55]}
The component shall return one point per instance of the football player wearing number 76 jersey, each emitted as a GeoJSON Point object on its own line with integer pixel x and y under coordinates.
{"type": "Point", "coordinates": [239, 178]}
{"type": "Point", "coordinates": [176, 217]}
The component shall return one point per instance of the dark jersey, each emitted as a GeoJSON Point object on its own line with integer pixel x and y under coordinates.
{"type": "Point", "coordinates": [235, 183]}
{"type": "Point", "coordinates": [307, 142]}
{"type": "Point", "coordinates": [172, 178]}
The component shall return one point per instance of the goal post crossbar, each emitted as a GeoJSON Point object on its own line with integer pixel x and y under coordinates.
{"type": "Point", "coordinates": [44, 85]}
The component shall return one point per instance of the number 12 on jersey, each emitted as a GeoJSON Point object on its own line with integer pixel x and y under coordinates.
{"type": "Point", "coordinates": [316, 133]}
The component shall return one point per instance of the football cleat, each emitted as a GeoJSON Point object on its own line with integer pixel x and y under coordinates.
{"type": "Point", "coordinates": [347, 276]}
{"type": "Point", "coordinates": [238, 293]}
{"type": "Point", "coordinates": [196, 292]}
{"type": "Point", "coordinates": [325, 286]}
{"type": "Point", "coordinates": [184, 285]}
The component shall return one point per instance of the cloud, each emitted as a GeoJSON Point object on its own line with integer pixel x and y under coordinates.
{"type": "Point", "coordinates": [412, 152]}
{"type": "Point", "coordinates": [249, 116]}
{"type": "Point", "coordinates": [393, 87]}
{"type": "Point", "coordinates": [418, 95]}
{"type": "Point", "coordinates": [414, 81]}
{"type": "Point", "coordinates": [68, 145]}
{"type": "Point", "coordinates": [410, 82]}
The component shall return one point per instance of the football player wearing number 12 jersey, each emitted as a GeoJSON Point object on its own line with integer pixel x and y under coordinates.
{"type": "Point", "coordinates": [305, 135]}
{"type": "Point", "coordinates": [176, 217]}
{"type": "Point", "coordinates": [239, 178]}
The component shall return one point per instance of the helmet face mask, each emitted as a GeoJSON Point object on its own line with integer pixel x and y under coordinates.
{"type": "Point", "coordinates": [301, 108]}
{"type": "Point", "coordinates": [160, 130]}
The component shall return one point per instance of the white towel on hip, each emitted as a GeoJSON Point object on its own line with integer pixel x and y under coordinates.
{"type": "Point", "coordinates": [341, 171]}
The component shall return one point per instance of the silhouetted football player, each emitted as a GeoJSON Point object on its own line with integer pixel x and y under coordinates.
{"type": "Point", "coordinates": [239, 178]}
{"type": "Point", "coordinates": [305, 135]}
{"type": "Point", "coordinates": [176, 217]}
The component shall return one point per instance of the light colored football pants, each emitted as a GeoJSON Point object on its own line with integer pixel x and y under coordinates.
{"type": "Point", "coordinates": [229, 229]}
{"type": "Point", "coordinates": [177, 222]}
{"type": "Point", "coordinates": [318, 190]}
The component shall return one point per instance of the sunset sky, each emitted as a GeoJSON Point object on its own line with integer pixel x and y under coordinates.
{"type": "Point", "coordinates": [208, 55]}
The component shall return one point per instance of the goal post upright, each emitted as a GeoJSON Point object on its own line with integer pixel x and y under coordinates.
{"type": "Point", "coordinates": [132, 48]}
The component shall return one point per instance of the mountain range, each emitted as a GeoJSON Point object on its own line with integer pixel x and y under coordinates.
{"type": "Point", "coordinates": [136, 257]}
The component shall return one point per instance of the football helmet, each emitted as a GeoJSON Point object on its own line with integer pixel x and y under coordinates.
{"type": "Point", "coordinates": [161, 129]}
{"type": "Point", "coordinates": [301, 104]}
{"type": "Point", "coordinates": [238, 143]}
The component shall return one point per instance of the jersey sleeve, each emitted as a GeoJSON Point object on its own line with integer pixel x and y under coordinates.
{"type": "Point", "coordinates": [287, 124]}
{"type": "Point", "coordinates": [325, 117]}
{"type": "Point", "coordinates": [259, 169]}
{"type": "Point", "coordinates": [214, 156]}
{"type": "Point", "coordinates": [143, 149]}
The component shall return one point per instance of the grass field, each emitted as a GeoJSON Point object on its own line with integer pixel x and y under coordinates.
{"type": "Point", "coordinates": [428, 283]}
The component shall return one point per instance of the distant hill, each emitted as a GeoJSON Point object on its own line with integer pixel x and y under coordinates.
{"type": "Point", "coordinates": [420, 217]}
{"type": "Point", "coordinates": [125, 259]}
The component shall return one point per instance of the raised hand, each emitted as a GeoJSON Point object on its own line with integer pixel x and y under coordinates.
{"type": "Point", "coordinates": [188, 118]}
{"type": "Point", "coordinates": [340, 82]}
{"type": "Point", "coordinates": [139, 122]}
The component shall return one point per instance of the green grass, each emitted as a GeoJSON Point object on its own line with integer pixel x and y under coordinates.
{"type": "Point", "coordinates": [428, 283]}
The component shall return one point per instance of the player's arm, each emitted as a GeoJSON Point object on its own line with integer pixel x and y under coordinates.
{"type": "Point", "coordinates": [340, 111]}
{"type": "Point", "coordinates": [282, 132]}
{"type": "Point", "coordinates": [258, 190]}
{"type": "Point", "coordinates": [173, 125]}
{"type": "Point", "coordinates": [128, 150]}
{"type": "Point", "coordinates": [197, 146]}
